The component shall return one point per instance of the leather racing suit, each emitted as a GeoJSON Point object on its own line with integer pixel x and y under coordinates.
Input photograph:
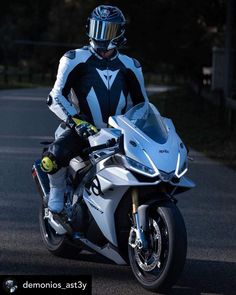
{"type": "Point", "coordinates": [95, 88]}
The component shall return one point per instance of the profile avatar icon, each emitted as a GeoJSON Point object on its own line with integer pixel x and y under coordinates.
{"type": "Point", "coordinates": [10, 286]}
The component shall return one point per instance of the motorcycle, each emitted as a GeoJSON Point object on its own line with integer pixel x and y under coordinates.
{"type": "Point", "coordinates": [121, 197]}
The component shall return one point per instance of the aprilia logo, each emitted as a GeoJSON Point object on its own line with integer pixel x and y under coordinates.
{"type": "Point", "coordinates": [164, 151]}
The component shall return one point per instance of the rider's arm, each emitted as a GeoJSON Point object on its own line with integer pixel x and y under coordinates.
{"type": "Point", "coordinates": [58, 99]}
{"type": "Point", "coordinates": [135, 80]}
{"type": "Point", "coordinates": [136, 83]}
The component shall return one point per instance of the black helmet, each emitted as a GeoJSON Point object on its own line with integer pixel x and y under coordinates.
{"type": "Point", "coordinates": [106, 27]}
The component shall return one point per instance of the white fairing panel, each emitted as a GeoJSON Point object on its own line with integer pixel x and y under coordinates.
{"type": "Point", "coordinates": [164, 156]}
{"type": "Point", "coordinates": [113, 182]}
{"type": "Point", "coordinates": [142, 148]}
{"type": "Point", "coordinates": [149, 140]}
{"type": "Point", "coordinates": [103, 206]}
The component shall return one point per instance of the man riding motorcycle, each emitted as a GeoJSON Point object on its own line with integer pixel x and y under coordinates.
{"type": "Point", "coordinates": [93, 83]}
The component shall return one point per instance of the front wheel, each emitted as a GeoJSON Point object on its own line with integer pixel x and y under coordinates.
{"type": "Point", "coordinates": [159, 268]}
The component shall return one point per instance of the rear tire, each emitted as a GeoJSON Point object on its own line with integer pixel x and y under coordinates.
{"type": "Point", "coordinates": [58, 245]}
{"type": "Point", "coordinates": [160, 269]}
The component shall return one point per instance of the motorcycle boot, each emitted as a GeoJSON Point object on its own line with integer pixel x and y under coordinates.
{"type": "Point", "coordinates": [57, 182]}
{"type": "Point", "coordinates": [56, 198]}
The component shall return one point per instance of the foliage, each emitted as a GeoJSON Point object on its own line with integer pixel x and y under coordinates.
{"type": "Point", "coordinates": [200, 124]}
{"type": "Point", "coordinates": [165, 35]}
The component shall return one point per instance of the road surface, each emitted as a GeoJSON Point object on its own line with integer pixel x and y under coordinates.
{"type": "Point", "coordinates": [209, 212]}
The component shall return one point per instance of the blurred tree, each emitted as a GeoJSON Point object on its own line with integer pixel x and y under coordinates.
{"type": "Point", "coordinates": [168, 35]}
{"type": "Point", "coordinates": [23, 20]}
{"type": "Point", "coordinates": [174, 32]}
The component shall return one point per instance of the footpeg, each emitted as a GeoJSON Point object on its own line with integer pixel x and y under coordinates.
{"type": "Point", "coordinates": [59, 229]}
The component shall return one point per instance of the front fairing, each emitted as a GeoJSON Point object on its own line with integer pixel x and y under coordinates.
{"type": "Point", "coordinates": [161, 149]}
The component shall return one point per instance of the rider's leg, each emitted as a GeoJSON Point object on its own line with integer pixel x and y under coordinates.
{"type": "Point", "coordinates": [57, 190]}
{"type": "Point", "coordinates": [67, 146]}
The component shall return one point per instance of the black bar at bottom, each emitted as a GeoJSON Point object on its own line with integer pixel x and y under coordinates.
{"type": "Point", "coordinates": [65, 285]}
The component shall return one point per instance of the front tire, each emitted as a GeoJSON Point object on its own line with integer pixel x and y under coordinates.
{"type": "Point", "coordinates": [160, 268]}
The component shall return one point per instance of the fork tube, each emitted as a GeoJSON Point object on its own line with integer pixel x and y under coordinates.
{"type": "Point", "coordinates": [141, 241]}
{"type": "Point", "coordinates": [134, 200]}
{"type": "Point", "coordinates": [134, 194]}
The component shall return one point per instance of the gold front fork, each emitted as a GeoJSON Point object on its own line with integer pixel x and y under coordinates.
{"type": "Point", "coordinates": [138, 237]}
{"type": "Point", "coordinates": [134, 194]}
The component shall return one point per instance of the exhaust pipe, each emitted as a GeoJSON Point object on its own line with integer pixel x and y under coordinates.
{"type": "Point", "coordinates": [41, 181]}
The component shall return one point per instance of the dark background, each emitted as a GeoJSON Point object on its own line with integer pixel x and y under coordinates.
{"type": "Point", "coordinates": [173, 40]}
{"type": "Point", "coordinates": [172, 37]}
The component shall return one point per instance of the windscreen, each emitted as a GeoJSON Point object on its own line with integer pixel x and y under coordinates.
{"type": "Point", "coordinates": [146, 117]}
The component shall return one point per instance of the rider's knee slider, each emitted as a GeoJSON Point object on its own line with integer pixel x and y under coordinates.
{"type": "Point", "coordinates": [48, 163]}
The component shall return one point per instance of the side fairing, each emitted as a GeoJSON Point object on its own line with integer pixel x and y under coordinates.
{"type": "Point", "coordinates": [105, 194]}
{"type": "Point", "coordinates": [102, 201]}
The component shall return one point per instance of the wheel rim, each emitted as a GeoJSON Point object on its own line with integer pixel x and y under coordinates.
{"type": "Point", "coordinates": [149, 265]}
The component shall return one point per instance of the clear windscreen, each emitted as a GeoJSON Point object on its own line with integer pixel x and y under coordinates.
{"type": "Point", "coordinates": [147, 118]}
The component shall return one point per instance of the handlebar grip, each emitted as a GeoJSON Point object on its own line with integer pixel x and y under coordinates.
{"type": "Point", "coordinates": [97, 147]}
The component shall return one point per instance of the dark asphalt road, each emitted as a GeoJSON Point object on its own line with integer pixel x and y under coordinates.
{"type": "Point", "coordinates": [209, 212]}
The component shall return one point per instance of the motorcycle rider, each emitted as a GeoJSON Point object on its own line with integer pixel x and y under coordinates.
{"type": "Point", "coordinates": [93, 83]}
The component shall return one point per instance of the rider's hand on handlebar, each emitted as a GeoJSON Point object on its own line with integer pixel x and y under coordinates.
{"type": "Point", "coordinates": [85, 129]}
{"type": "Point", "coordinates": [81, 127]}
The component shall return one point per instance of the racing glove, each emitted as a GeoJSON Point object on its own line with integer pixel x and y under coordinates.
{"type": "Point", "coordinates": [81, 127]}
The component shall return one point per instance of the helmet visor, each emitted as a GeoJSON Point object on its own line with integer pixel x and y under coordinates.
{"type": "Point", "coordinates": [102, 30]}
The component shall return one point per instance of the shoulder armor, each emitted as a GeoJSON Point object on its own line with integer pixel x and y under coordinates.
{"type": "Point", "coordinates": [85, 47]}
{"type": "Point", "coordinates": [70, 54]}
{"type": "Point", "coordinates": [136, 63]}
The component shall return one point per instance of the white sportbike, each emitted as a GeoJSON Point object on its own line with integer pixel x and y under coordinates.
{"type": "Point", "coordinates": [120, 198]}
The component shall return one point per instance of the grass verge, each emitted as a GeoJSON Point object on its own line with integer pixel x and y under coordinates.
{"type": "Point", "coordinates": [200, 124]}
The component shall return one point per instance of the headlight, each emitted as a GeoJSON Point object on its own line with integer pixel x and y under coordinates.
{"type": "Point", "coordinates": [139, 167]}
{"type": "Point", "coordinates": [180, 171]}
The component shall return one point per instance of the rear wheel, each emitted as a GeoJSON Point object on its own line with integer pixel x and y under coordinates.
{"type": "Point", "coordinates": [59, 245]}
{"type": "Point", "coordinates": [159, 268]}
